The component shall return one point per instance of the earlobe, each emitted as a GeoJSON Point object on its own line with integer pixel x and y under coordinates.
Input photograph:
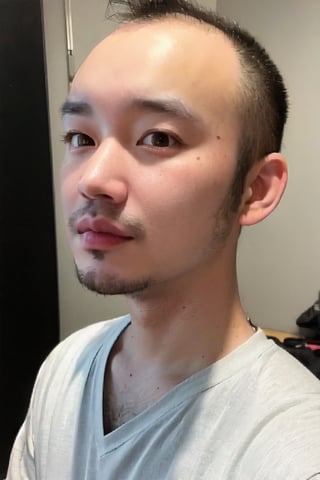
{"type": "Point", "coordinates": [265, 185]}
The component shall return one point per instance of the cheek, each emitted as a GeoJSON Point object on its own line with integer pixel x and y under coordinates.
{"type": "Point", "coordinates": [205, 180]}
{"type": "Point", "coordinates": [183, 196]}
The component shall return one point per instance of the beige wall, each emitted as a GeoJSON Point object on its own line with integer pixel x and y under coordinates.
{"type": "Point", "coordinates": [279, 260]}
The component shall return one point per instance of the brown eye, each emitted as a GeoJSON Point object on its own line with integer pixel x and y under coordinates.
{"type": "Point", "coordinates": [159, 140]}
{"type": "Point", "coordinates": [78, 139]}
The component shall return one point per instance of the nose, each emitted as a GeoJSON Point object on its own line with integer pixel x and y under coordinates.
{"type": "Point", "coordinates": [104, 174]}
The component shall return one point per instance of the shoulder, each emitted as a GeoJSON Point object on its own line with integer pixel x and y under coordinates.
{"type": "Point", "coordinates": [283, 372]}
{"type": "Point", "coordinates": [286, 408]}
{"type": "Point", "coordinates": [57, 394]}
{"type": "Point", "coordinates": [286, 390]}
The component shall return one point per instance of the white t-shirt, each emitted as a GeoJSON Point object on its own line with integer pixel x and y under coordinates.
{"type": "Point", "coordinates": [253, 415]}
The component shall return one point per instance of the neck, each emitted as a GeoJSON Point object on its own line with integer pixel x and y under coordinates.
{"type": "Point", "coordinates": [182, 327]}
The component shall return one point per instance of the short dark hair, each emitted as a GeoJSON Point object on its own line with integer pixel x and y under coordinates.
{"type": "Point", "coordinates": [263, 107]}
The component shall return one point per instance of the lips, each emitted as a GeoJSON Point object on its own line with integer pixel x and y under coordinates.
{"type": "Point", "coordinates": [100, 234]}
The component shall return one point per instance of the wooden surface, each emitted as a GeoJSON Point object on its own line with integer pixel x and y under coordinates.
{"type": "Point", "coordinates": [279, 334]}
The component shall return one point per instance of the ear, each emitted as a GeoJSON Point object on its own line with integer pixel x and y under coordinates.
{"type": "Point", "coordinates": [265, 185]}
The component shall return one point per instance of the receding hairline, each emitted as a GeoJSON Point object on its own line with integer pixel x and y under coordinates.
{"type": "Point", "coordinates": [180, 18]}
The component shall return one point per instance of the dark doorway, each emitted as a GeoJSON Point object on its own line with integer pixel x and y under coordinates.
{"type": "Point", "coordinates": [29, 323]}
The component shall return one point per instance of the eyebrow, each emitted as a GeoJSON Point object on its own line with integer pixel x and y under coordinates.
{"type": "Point", "coordinates": [75, 107]}
{"type": "Point", "coordinates": [170, 106]}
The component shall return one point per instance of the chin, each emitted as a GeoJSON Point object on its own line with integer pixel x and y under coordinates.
{"type": "Point", "coordinates": [110, 284]}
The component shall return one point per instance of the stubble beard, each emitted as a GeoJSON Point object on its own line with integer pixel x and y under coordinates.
{"type": "Point", "coordinates": [110, 284]}
{"type": "Point", "coordinates": [114, 285]}
{"type": "Point", "coordinates": [223, 221]}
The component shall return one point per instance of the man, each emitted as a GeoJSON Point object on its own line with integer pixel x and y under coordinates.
{"type": "Point", "coordinates": [173, 128]}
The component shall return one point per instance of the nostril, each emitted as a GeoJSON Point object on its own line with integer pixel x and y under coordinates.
{"type": "Point", "coordinates": [115, 191]}
{"type": "Point", "coordinates": [84, 190]}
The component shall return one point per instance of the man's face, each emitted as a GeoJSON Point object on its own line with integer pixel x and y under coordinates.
{"type": "Point", "coordinates": [152, 134]}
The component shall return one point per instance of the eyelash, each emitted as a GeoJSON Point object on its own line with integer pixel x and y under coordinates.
{"type": "Point", "coordinates": [173, 140]}
{"type": "Point", "coordinates": [176, 140]}
{"type": "Point", "coordinates": [69, 136]}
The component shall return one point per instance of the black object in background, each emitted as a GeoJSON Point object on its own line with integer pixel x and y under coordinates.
{"type": "Point", "coordinates": [310, 318]}
{"type": "Point", "coordinates": [29, 323]}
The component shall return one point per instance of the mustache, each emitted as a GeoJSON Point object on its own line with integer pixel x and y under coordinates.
{"type": "Point", "coordinates": [132, 226]}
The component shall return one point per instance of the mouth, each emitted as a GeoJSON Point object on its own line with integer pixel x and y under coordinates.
{"type": "Point", "coordinates": [100, 234]}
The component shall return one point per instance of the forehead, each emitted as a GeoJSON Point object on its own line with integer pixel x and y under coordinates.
{"type": "Point", "coordinates": [174, 57]}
